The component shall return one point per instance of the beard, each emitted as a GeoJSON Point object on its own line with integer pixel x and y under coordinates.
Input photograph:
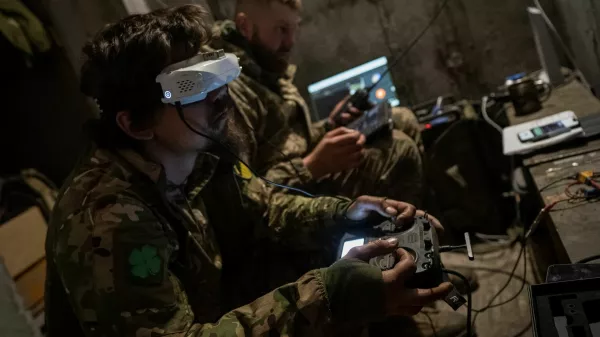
{"type": "Point", "coordinates": [231, 138]}
{"type": "Point", "coordinates": [275, 62]}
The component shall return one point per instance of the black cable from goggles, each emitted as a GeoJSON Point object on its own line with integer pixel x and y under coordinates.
{"type": "Point", "coordinates": [310, 195]}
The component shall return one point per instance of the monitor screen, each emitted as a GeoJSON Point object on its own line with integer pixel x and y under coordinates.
{"type": "Point", "coordinates": [327, 93]}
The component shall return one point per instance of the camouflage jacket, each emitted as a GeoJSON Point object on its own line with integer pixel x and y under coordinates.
{"type": "Point", "coordinates": [275, 110]}
{"type": "Point", "coordinates": [133, 257]}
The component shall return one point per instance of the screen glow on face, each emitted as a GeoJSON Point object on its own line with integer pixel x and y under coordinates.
{"type": "Point", "coordinates": [351, 244]}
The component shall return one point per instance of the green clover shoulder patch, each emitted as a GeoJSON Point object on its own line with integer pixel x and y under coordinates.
{"type": "Point", "coordinates": [146, 264]}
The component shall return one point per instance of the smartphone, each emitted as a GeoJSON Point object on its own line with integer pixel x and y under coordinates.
{"type": "Point", "coordinates": [548, 131]}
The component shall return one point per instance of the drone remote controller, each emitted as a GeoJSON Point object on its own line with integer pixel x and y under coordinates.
{"type": "Point", "coordinates": [419, 240]}
{"type": "Point", "coordinates": [374, 119]}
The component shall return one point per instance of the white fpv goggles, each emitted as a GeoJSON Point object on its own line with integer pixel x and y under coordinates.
{"type": "Point", "coordinates": [189, 81]}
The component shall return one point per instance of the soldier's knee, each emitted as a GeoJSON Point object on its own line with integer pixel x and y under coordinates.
{"type": "Point", "coordinates": [397, 148]}
{"type": "Point", "coordinates": [404, 143]}
{"type": "Point", "coordinates": [405, 121]}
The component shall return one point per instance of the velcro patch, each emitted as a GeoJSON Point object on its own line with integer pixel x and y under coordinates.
{"type": "Point", "coordinates": [241, 170]}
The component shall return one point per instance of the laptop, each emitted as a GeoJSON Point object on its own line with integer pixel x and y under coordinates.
{"type": "Point", "coordinates": [326, 93]}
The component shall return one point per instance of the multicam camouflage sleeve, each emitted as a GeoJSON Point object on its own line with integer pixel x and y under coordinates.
{"type": "Point", "coordinates": [276, 147]}
{"type": "Point", "coordinates": [293, 219]}
{"type": "Point", "coordinates": [115, 262]}
{"type": "Point", "coordinates": [318, 131]}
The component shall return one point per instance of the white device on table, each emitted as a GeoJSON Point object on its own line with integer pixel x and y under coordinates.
{"type": "Point", "coordinates": [528, 137]}
{"type": "Point", "coordinates": [191, 80]}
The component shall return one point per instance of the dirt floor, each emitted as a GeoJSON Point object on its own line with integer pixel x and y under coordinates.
{"type": "Point", "coordinates": [493, 268]}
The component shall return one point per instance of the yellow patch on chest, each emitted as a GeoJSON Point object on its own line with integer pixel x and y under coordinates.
{"type": "Point", "coordinates": [241, 170]}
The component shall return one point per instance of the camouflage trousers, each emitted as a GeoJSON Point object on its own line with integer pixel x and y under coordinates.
{"type": "Point", "coordinates": [430, 322]}
{"type": "Point", "coordinates": [405, 120]}
{"type": "Point", "coordinates": [392, 166]}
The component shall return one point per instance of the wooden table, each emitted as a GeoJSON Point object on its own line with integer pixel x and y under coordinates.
{"type": "Point", "coordinates": [575, 232]}
{"type": "Point", "coordinates": [575, 228]}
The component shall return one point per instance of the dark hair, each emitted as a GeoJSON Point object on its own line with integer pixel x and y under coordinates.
{"type": "Point", "coordinates": [122, 61]}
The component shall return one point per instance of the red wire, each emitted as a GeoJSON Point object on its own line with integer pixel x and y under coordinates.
{"type": "Point", "coordinates": [569, 194]}
{"type": "Point", "coordinates": [549, 207]}
{"type": "Point", "coordinates": [568, 191]}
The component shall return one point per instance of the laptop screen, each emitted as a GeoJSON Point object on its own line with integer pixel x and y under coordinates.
{"type": "Point", "coordinates": [327, 93]}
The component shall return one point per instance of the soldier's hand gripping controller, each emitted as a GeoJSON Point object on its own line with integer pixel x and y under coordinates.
{"type": "Point", "coordinates": [358, 100]}
{"type": "Point", "coordinates": [419, 240]}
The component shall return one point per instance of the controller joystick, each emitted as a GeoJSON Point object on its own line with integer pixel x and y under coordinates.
{"type": "Point", "coordinates": [419, 240]}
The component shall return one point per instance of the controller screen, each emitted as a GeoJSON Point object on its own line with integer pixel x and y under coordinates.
{"type": "Point", "coordinates": [351, 244]}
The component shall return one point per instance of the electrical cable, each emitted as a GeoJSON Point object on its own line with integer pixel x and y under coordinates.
{"type": "Point", "coordinates": [491, 237]}
{"type": "Point", "coordinates": [524, 281]}
{"type": "Point", "coordinates": [37, 201]}
{"type": "Point", "coordinates": [411, 45]}
{"type": "Point", "coordinates": [278, 150]}
{"type": "Point", "coordinates": [522, 252]}
{"type": "Point", "coordinates": [570, 177]}
{"type": "Point", "coordinates": [561, 43]}
{"type": "Point", "coordinates": [495, 271]}
{"type": "Point", "coordinates": [298, 175]}
{"type": "Point", "coordinates": [488, 306]}
{"type": "Point", "coordinates": [577, 198]}
{"type": "Point", "coordinates": [589, 259]}
{"type": "Point", "coordinates": [582, 203]}
{"type": "Point", "coordinates": [484, 102]}
{"type": "Point", "coordinates": [568, 192]}
{"type": "Point", "coordinates": [556, 182]}
{"type": "Point", "coordinates": [431, 323]}
{"type": "Point", "coordinates": [399, 58]}
{"type": "Point", "coordinates": [538, 219]}
{"type": "Point", "coordinates": [39, 176]}
{"type": "Point", "coordinates": [310, 195]}
{"type": "Point", "coordinates": [511, 275]}
{"type": "Point", "coordinates": [497, 247]}
{"type": "Point", "coordinates": [451, 248]}
{"type": "Point", "coordinates": [516, 196]}
{"type": "Point", "coordinates": [384, 30]}
{"type": "Point", "coordinates": [469, 299]}
{"type": "Point", "coordinates": [499, 113]}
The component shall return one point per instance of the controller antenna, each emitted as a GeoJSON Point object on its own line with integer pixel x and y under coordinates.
{"type": "Point", "coordinates": [469, 247]}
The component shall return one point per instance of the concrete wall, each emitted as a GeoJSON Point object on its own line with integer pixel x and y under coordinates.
{"type": "Point", "coordinates": [581, 27]}
{"type": "Point", "coordinates": [77, 21]}
{"type": "Point", "coordinates": [470, 49]}
{"type": "Point", "coordinates": [43, 109]}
